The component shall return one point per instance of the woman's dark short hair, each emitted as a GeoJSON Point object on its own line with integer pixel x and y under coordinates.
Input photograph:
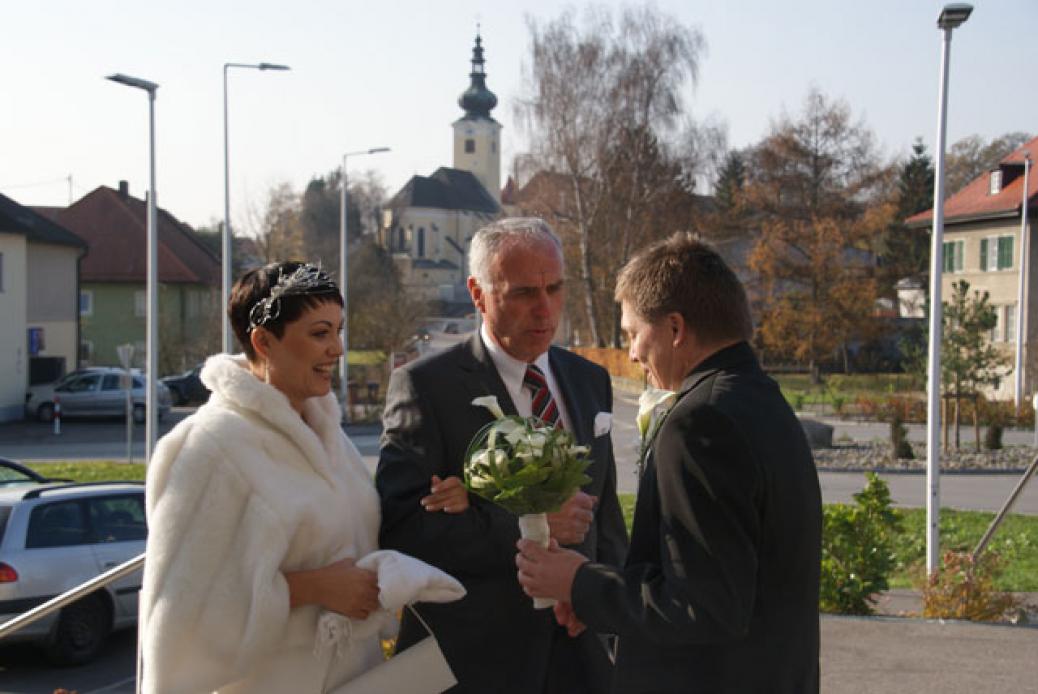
{"type": "Point", "coordinates": [256, 300]}
{"type": "Point", "coordinates": [684, 275]}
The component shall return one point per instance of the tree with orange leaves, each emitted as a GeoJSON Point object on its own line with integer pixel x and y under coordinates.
{"type": "Point", "coordinates": [821, 197]}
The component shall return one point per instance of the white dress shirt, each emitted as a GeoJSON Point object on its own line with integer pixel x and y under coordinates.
{"type": "Point", "coordinates": [513, 371]}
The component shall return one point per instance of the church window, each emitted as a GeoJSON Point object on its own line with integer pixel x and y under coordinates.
{"type": "Point", "coordinates": [400, 239]}
{"type": "Point", "coordinates": [470, 146]}
{"type": "Point", "coordinates": [421, 242]}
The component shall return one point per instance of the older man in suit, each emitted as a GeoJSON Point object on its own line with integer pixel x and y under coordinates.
{"type": "Point", "coordinates": [719, 593]}
{"type": "Point", "coordinates": [494, 639]}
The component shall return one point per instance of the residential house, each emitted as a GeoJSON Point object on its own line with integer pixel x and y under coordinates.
{"type": "Point", "coordinates": [39, 278]}
{"type": "Point", "coordinates": [113, 298]}
{"type": "Point", "coordinates": [429, 223]}
{"type": "Point", "coordinates": [982, 245]}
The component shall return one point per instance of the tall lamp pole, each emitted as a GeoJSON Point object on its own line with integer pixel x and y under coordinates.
{"type": "Point", "coordinates": [343, 276]}
{"type": "Point", "coordinates": [226, 236]}
{"type": "Point", "coordinates": [951, 17]}
{"type": "Point", "coordinates": [1021, 312]}
{"type": "Point", "coordinates": [151, 361]}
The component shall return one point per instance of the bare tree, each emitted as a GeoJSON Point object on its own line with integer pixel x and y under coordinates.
{"type": "Point", "coordinates": [277, 229]}
{"type": "Point", "coordinates": [600, 99]}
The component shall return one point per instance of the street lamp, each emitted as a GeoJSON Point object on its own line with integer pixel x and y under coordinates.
{"type": "Point", "coordinates": [343, 275]}
{"type": "Point", "coordinates": [225, 237]}
{"type": "Point", "coordinates": [1021, 313]}
{"type": "Point", "coordinates": [151, 360]}
{"type": "Point", "coordinates": [951, 17]}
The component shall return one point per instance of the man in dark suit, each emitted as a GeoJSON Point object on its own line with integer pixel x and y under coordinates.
{"type": "Point", "coordinates": [494, 639]}
{"type": "Point", "coordinates": [719, 592]}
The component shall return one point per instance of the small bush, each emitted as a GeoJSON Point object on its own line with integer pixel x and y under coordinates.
{"type": "Point", "coordinates": [962, 589]}
{"type": "Point", "coordinates": [858, 549]}
{"type": "Point", "coordinates": [993, 437]}
{"type": "Point", "coordinates": [899, 445]}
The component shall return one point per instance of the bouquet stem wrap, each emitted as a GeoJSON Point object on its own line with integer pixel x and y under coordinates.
{"type": "Point", "coordinates": [534, 526]}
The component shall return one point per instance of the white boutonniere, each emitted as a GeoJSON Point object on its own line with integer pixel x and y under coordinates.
{"type": "Point", "coordinates": [653, 406]}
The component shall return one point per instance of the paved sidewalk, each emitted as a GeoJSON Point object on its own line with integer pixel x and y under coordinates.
{"type": "Point", "coordinates": [884, 655]}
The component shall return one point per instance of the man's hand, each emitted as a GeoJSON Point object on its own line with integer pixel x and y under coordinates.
{"type": "Point", "coordinates": [571, 523]}
{"type": "Point", "coordinates": [447, 495]}
{"type": "Point", "coordinates": [547, 573]}
{"type": "Point", "coordinates": [566, 617]}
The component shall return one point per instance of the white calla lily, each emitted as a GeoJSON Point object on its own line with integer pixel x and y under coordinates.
{"type": "Point", "coordinates": [490, 402]}
{"type": "Point", "coordinates": [648, 401]}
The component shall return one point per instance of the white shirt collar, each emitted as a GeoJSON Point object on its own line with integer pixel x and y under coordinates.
{"type": "Point", "coordinates": [513, 371]}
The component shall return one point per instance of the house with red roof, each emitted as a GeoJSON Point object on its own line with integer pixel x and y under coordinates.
{"type": "Point", "coordinates": [982, 245]}
{"type": "Point", "coordinates": [112, 292]}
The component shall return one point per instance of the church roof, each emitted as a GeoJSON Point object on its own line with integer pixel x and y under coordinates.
{"type": "Point", "coordinates": [446, 189]}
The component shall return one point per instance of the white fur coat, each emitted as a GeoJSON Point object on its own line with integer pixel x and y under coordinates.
{"type": "Point", "coordinates": [237, 494]}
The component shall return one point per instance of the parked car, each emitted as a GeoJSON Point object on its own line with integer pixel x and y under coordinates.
{"type": "Point", "coordinates": [54, 537]}
{"type": "Point", "coordinates": [186, 388]}
{"type": "Point", "coordinates": [15, 473]}
{"type": "Point", "coordinates": [96, 391]}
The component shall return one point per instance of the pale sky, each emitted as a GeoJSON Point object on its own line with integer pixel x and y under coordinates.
{"type": "Point", "coordinates": [369, 74]}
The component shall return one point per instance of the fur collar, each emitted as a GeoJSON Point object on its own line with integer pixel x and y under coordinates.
{"type": "Point", "coordinates": [318, 432]}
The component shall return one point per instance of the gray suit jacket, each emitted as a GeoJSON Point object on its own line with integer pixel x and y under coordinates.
{"type": "Point", "coordinates": [493, 638]}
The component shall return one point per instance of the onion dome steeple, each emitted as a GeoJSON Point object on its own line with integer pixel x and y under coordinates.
{"type": "Point", "coordinates": [477, 100]}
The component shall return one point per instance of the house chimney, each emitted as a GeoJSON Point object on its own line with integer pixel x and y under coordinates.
{"type": "Point", "coordinates": [124, 189]}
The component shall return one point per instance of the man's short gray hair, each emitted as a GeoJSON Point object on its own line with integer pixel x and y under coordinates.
{"type": "Point", "coordinates": [492, 238]}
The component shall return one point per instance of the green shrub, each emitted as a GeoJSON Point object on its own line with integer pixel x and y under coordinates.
{"type": "Point", "coordinates": [857, 549]}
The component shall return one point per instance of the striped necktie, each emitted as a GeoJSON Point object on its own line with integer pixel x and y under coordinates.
{"type": "Point", "coordinates": [543, 404]}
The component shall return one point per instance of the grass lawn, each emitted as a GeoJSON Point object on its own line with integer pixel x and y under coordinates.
{"type": "Point", "coordinates": [369, 357]}
{"type": "Point", "coordinates": [1016, 541]}
{"type": "Point", "coordinates": [91, 471]}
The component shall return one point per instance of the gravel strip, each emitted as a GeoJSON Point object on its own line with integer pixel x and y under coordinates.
{"type": "Point", "coordinates": [876, 456]}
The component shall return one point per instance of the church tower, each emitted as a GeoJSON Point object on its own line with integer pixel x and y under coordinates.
{"type": "Point", "coordinates": [477, 136]}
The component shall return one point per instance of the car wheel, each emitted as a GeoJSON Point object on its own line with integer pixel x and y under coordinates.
{"type": "Point", "coordinates": [45, 412]}
{"type": "Point", "coordinates": [80, 631]}
{"type": "Point", "coordinates": [138, 414]}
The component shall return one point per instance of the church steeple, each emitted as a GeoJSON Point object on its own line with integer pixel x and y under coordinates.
{"type": "Point", "coordinates": [477, 100]}
{"type": "Point", "coordinates": [477, 136]}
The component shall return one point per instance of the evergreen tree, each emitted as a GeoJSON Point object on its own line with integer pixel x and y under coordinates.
{"type": "Point", "coordinates": [904, 252]}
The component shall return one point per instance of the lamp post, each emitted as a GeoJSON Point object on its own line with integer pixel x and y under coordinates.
{"type": "Point", "coordinates": [225, 237]}
{"type": "Point", "coordinates": [152, 285]}
{"type": "Point", "coordinates": [343, 276]}
{"type": "Point", "coordinates": [1021, 312]}
{"type": "Point", "coordinates": [951, 17]}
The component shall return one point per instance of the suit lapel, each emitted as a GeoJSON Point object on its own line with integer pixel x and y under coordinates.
{"type": "Point", "coordinates": [481, 376]}
{"type": "Point", "coordinates": [574, 405]}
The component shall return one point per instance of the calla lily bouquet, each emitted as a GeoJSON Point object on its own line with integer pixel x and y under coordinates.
{"type": "Point", "coordinates": [523, 464]}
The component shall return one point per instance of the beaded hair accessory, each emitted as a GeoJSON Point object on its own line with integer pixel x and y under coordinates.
{"type": "Point", "coordinates": [306, 279]}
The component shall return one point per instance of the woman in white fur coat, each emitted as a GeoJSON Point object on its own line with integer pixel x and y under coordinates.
{"type": "Point", "coordinates": [258, 506]}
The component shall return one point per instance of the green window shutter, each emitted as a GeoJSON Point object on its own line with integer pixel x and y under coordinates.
{"type": "Point", "coordinates": [947, 259]}
{"type": "Point", "coordinates": [983, 254]}
{"type": "Point", "coordinates": [1005, 252]}
{"type": "Point", "coordinates": [960, 247]}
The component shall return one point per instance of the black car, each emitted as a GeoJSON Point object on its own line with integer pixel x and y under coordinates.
{"type": "Point", "coordinates": [186, 388]}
